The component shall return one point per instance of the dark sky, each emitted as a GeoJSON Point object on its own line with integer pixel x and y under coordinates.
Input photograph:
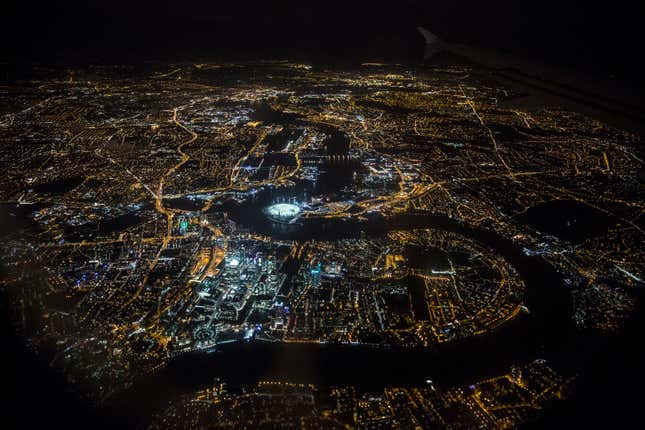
{"type": "Point", "coordinates": [604, 39]}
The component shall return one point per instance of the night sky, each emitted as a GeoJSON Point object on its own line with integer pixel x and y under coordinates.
{"type": "Point", "coordinates": [594, 38]}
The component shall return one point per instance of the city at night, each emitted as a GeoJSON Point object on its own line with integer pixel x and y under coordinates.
{"type": "Point", "coordinates": [322, 215]}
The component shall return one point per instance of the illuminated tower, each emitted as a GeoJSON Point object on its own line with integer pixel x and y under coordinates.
{"type": "Point", "coordinates": [315, 276]}
{"type": "Point", "coordinates": [183, 225]}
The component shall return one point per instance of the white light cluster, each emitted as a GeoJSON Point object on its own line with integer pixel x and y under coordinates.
{"type": "Point", "coordinates": [283, 211]}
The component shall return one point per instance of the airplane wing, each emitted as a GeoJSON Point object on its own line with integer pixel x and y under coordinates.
{"type": "Point", "coordinates": [433, 43]}
{"type": "Point", "coordinates": [546, 85]}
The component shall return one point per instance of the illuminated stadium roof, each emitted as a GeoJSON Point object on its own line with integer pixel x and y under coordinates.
{"type": "Point", "coordinates": [282, 211]}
